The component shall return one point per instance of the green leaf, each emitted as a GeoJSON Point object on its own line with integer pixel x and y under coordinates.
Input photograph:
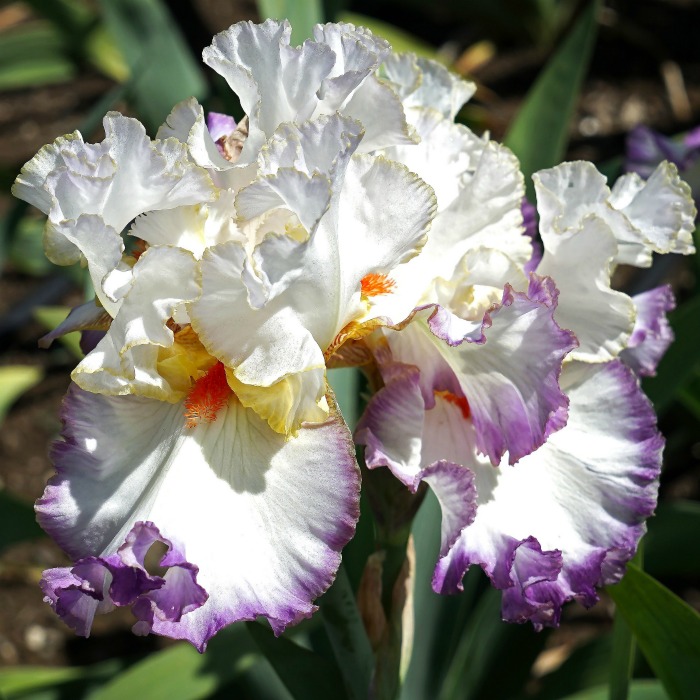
{"type": "Point", "coordinates": [430, 646]}
{"type": "Point", "coordinates": [182, 673]}
{"type": "Point", "coordinates": [480, 639]}
{"type": "Point", "coordinates": [681, 360]}
{"type": "Point", "coordinates": [347, 636]}
{"type": "Point", "coordinates": [667, 631]}
{"type": "Point", "coordinates": [672, 545]}
{"type": "Point", "coordinates": [33, 55]}
{"type": "Point", "coordinates": [689, 397]}
{"type": "Point", "coordinates": [14, 381]}
{"type": "Point", "coordinates": [345, 383]}
{"type": "Point", "coordinates": [449, 629]}
{"type": "Point", "coordinates": [639, 690]}
{"type": "Point", "coordinates": [306, 675]}
{"type": "Point", "coordinates": [483, 644]}
{"type": "Point", "coordinates": [621, 660]}
{"type": "Point", "coordinates": [539, 134]}
{"type": "Point", "coordinates": [102, 51]}
{"type": "Point", "coordinates": [361, 546]}
{"type": "Point", "coordinates": [50, 317]}
{"type": "Point", "coordinates": [68, 16]}
{"type": "Point", "coordinates": [17, 682]}
{"type": "Point", "coordinates": [26, 248]}
{"type": "Point", "coordinates": [623, 648]}
{"type": "Point", "coordinates": [399, 39]}
{"type": "Point", "coordinates": [163, 69]}
{"type": "Point", "coordinates": [302, 14]}
{"type": "Point", "coordinates": [17, 522]}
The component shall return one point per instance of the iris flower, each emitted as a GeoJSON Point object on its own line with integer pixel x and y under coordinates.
{"type": "Point", "coordinates": [528, 421]}
{"type": "Point", "coordinates": [345, 220]}
{"type": "Point", "coordinates": [202, 419]}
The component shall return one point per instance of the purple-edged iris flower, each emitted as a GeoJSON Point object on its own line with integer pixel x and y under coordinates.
{"type": "Point", "coordinates": [345, 220]}
{"type": "Point", "coordinates": [528, 421]}
{"type": "Point", "coordinates": [201, 417]}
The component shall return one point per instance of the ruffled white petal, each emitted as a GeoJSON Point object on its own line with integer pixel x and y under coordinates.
{"type": "Point", "coordinates": [661, 209]}
{"type": "Point", "coordinates": [357, 54]}
{"type": "Point", "coordinates": [186, 123]}
{"type": "Point", "coordinates": [145, 175]}
{"type": "Point", "coordinates": [194, 227]}
{"type": "Point", "coordinates": [263, 518]}
{"type": "Point", "coordinates": [322, 145]}
{"type": "Point", "coordinates": [275, 82]}
{"type": "Point", "coordinates": [266, 348]}
{"type": "Point", "coordinates": [287, 189]}
{"type": "Point", "coordinates": [92, 191]}
{"type": "Point", "coordinates": [445, 157]}
{"type": "Point", "coordinates": [477, 283]}
{"type": "Point", "coordinates": [486, 213]}
{"type": "Point", "coordinates": [278, 83]}
{"type": "Point", "coordinates": [86, 240]}
{"type": "Point", "coordinates": [421, 82]}
{"type": "Point", "coordinates": [379, 109]}
{"type": "Point", "coordinates": [125, 360]}
{"type": "Point", "coordinates": [656, 216]}
{"type": "Point", "coordinates": [384, 210]}
{"type": "Point", "coordinates": [346, 208]}
{"type": "Point", "coordinates": [479, 191]}
{"type": "Point", "coordinates": [580, 261]}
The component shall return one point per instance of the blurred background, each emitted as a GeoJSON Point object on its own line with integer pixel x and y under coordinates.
{"type": "Point", "coordinates": [556, 78]}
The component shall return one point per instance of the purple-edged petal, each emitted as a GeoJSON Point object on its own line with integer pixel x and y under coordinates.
{"type": "Point", "coordinates": [416, 419]}
{"type": "Point", "coordinates": [77, 597]}
{"type": "Point", "coordinates": [646, 148]}
{"type": "Point", "coordinates": [155, 599]}
{"type": "Point", "coordinates": [391, 428]}
{"type": "Point", "coordinates": [568, 517]}
{"type": "Point", "coordinates": [95, 585]}
{"type": "Point", "coordinates": [455, 488]}
{"type": "Point", "coordinates": [652, 332]}
{"type": "Point", "coordinates": [263, 518]}
{"type": "Point", "coordinates": [509, 376]}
